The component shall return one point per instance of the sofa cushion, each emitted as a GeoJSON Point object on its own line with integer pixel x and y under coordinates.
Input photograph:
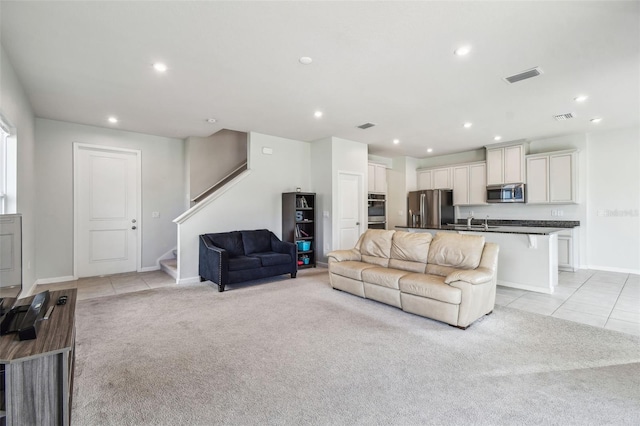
{"type": "Point", "coordinates": [350, 269]}
{"type": "Point", "coordinates": [385, 277]}
{"type": "Point", "coordinates": [230, 241]}
{"type": "Point", "coordinates": [272, 258]}
{"type": "Point", "coordinates": [239, 263]}
{"type": "Point", "coordinates": [431, 287]}
{"type": "Point", "coordinates": [376, 243]}
{"type": "Point", "coordinates": [457, 250]}
{"type": "Point", "coordinates": [258, 241]}
{"type": "Point", "coordinates": [411, 246]}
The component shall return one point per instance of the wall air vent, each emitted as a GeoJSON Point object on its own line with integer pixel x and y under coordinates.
{"type": "Point", "coordinates": [365, 126]}
{"type": "Point", "coordinates": [563, 117]}
{"type": "Point", "coordinates": [533, 72]}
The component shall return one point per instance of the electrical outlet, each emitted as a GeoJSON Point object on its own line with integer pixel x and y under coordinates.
{"type": "Point", "coordinates": [471, 213]}
{"type": "Point", "coordinates": [553, 212]}
{"type": "Point", "coordinates": [560, 212]}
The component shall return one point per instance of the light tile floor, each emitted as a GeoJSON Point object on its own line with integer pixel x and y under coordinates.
{"type": "Point", "coordinates": [602, 299]}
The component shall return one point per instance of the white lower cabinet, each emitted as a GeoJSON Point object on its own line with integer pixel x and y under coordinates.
{"type": "Point", "coordinates": [567, 250]}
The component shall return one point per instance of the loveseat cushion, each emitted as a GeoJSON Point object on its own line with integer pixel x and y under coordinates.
{"type": "Point", "coordinates": [375, 246]}
{"type": "Point", "coordinates": [456, 250]}
{"type": "Point", "coordinates": [258, 241]}
{"type": "Point", "coordinates": [230, 241]}
{"type": "Point", "coordinates": [272, 258]}
{"type": "Point", "coordinates": [350, 269]}
{"type": "Point", "coordinates": [431, 287]}
{"type": "Point", "coordinates": [386, 277]}
{"type": "Point", "coordinates": [239, 263]}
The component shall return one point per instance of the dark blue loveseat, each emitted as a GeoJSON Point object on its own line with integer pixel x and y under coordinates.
{"type": "Point", "coordinates": [233, 257]}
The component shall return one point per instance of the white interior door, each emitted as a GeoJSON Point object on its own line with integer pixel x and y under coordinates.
{"type": "Point", "coordinates": [10, 250]}
{"type": "Point", "coordinates": [106, 189]}
{"type": "Point", "coordinates": [350, 208]}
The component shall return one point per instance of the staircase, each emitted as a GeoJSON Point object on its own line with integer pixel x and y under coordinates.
{"type": "Point", "coordinates": [170, 266]}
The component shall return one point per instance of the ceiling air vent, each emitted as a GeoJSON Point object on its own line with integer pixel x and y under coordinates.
{"type": "Point", "coordinates": [563, 117]}
{"type": "Point", "coordinates": [365, 126]}
{"type": "Point", "coordinates": [533, 72]}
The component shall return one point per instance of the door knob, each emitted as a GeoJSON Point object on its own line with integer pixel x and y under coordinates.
{"type": "Point", "coordinates": [134, 227]}
{"type": "Point", "coordinates": [133, 221]}
{"type": "Point", "coordinates": [357, 223]}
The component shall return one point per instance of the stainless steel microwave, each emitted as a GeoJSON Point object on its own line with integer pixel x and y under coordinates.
{"type": "Point", "coordinates": [509, 193]}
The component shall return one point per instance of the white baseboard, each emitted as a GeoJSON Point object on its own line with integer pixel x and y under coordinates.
{"type": "Point", "coordinates": [55, 280]}
{"type": "Point", "coordinates": [149, 268]}
{"type": "Point", "coordinates": [191, 280]}
{"type": "Point", "coordinates": [544, 290]}
{"type": "Point", "coordinates": [610, 269]}
{"type": "Point", "coordinates": [322, 264]}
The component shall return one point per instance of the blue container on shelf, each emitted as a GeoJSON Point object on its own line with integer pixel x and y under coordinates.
{"type": "Point", "coordinates": [306, 260]}
{"type": "Point", "coordinates": [304, 245]}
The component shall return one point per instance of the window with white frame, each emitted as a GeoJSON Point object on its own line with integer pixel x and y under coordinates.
{"type": "Point", "coordinates": [4, 136]}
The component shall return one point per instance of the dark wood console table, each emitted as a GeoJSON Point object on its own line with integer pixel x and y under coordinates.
{"type": "Point", "coordinates": [37, 375]}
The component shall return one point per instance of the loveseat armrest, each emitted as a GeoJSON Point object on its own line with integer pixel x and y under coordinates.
{"type": "Point", "coordinates": [472, 276]}
{"type": "Point", "coordinates": [213, 262]}
{"type": "Point", "coordinates": [345, 255]}
{"type": "Point", "coordinates": [284, 247]}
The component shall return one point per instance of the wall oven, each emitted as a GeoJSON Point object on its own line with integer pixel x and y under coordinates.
{"type": "Point", "coordinates": [377, 211]}
{"type": "Point", "coordinates": [511, 193]}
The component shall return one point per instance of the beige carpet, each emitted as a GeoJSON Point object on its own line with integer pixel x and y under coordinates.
{"type": "Point", "coordinates": [296, 352]}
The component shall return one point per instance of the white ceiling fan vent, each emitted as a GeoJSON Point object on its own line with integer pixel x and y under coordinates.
{"type": "Point", "coordinates": [365, 126]}
{"type": "Point", "coordinates": [533, 72]}
{"type": "Point", "coordinates": [563, 117]}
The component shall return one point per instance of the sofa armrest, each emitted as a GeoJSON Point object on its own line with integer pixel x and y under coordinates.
{"type": "Point", "coordinates": [472, 276]}
{"type": "Point", "coordinates": [344, 255]}
{"type": "Point", "coordinates": [213, 262]}
{"type": "Point", "coordinates": [284, 247]}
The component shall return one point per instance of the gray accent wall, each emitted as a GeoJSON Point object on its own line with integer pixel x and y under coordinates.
{"type": "Point", "coordinates": [162, 191]}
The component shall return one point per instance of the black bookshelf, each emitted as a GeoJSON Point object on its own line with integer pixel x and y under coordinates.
{"type": "Point", "coordinates": [299, 225]}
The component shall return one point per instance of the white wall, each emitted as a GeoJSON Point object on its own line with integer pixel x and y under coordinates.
{"type": "Point", "coordinates": [322, 182]}
{"type": "Point", "coordinates": [162, 191]}
{"type": "Point", "coordinates": [613, 200]}
{"type": "Point", "coordinates": [402, 178]}
{"type": "Point", "coordinates": [15, 107]}
{"type": "Point", "coordinates": [255, 202]}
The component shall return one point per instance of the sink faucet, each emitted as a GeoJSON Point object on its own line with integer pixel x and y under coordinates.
{"type": "Point", "coordinates": [469, 219]}
{"type": "Point", "coordinates": [486, 223]}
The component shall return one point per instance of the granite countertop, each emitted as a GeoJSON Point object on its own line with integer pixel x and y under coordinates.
{"type": "Point", "coordinates": [530, 227]}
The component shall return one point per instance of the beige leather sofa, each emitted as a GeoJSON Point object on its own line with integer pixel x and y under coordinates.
{"type": "Point", "coordinates": [450, 277]}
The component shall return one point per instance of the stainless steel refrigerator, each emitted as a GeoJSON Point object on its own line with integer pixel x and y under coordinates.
{"type": "Point", "coordinates": [433, 207]}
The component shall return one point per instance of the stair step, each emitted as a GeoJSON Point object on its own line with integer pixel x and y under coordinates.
{"type": "Point", "coordinates": [170, 266]}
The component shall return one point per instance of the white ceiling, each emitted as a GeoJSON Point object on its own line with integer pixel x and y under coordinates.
{"type": "Point", "coordinates": [389, 63]}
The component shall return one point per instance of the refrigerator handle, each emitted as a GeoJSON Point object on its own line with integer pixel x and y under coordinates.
{"type": "Point", "coordinates": [423, 211]}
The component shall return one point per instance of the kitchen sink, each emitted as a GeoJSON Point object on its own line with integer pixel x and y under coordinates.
{"type": "Point", "coordinates": [472, 227]}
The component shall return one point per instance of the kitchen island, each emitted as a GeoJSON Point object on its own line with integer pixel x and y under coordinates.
{"type": "Point", "coordinates": [528, 256]}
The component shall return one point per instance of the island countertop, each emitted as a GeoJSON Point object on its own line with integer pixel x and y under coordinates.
{"type": "Point", "coordinates": [530, 227]}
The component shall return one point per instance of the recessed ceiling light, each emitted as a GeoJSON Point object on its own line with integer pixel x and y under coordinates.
{"type": "Point", "coordinates": [112, 120]}
{"type": "Point", "coordinates": [317, 114]}
{"type": "Point", "coordinates": [497, 138]}
{"type": "Point", "coordinates": [305, 60]}
{"type": "Point", "coordinates": [160, 67]}
{"type": "Point", "coordinates": [467, 125]}
{"type": "Point", "coordinates": [596, 120]}
{"type": "Point", "coordinates": [462, 50]}
{"type": "Point", "coordinates": [429, 150]}
{"type": "Point", "coordinates": [211, 120]}
{"type": "Point", "coordinates": [396, 141]}
{"type": "Point", "coordinates": [581, 98]}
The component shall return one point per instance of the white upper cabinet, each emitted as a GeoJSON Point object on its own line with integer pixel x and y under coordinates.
{"type": "Point", "coordinates": [505, 164]}
{"type": "Point", "coordinates": [377, 178]}
{"type": "Point", "coordinates": [552, 178]}
{"type": "Point", "coordinates": [469, 184]}
{"type": "Point", "coordinates": [442, 178]}
{"type": "Point", "coordinates": [425, 180]}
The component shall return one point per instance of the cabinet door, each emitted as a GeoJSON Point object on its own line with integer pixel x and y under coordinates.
{"type": "Point", "coordinates": [494, 166]}
{"type": "Point", "coordinates": [477, 184]}
{"type": "Point", "coordinates": [561, 183]}
{"type": "Point", "coordinates": [513, 164]}
{"type": "Point", "coordinates": [380, 181]}
{"type": "Point", "coordinates": [442, 178]}
{"type": "Point", "coordinates": [537, 180]}
{"type": "Point", "coordinates": [371, 172]}
{"type": "Point", "coordinates": [424, 179]}
{"type": "Point", "coordinates": [461, 185]}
